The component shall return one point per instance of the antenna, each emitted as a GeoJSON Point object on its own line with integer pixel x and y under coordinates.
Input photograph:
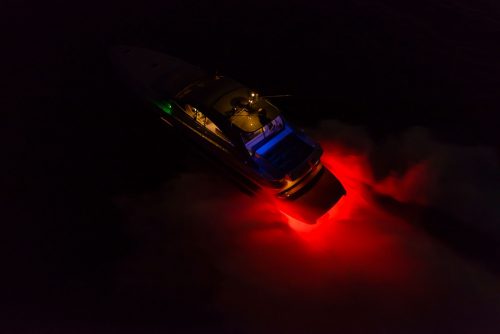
{"type": "Point", "coordinates": [281, 95]}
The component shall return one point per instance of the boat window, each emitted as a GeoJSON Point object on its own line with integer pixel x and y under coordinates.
{"type": "Point", "coordinates": [204, 121]}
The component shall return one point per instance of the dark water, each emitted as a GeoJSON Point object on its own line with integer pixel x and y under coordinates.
{"type": "Point", "coordinates": [75, 142]}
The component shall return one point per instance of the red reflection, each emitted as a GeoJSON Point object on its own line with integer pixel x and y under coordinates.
{"type": "Point", "coordinates": [357, 236]}
{"type": "Point", "coordinates": [357, 251]}
{"type": "Point", "coordinates": [361, 264]}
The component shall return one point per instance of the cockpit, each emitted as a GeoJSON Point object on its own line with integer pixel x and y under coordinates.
{"type": "Point", "coordinates": [257, 118]}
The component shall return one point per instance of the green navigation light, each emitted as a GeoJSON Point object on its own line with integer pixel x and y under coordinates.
{"type": "Point", "coordinates": [165, 106]}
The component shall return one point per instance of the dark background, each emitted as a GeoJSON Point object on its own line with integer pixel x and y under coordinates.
{"type": "Point", "coordinates": [75, 141]}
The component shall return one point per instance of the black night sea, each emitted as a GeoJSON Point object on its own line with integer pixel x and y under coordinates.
{"type": "Point", "coordinates": [113, 223]}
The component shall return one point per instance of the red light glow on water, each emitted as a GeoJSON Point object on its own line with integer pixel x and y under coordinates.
{"type": "Point", "coordinates": [356, 235]}
{"type": "Point", "coordinates": [364, 264]}
{"type": "Point", "coordinates": [356, 246]}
